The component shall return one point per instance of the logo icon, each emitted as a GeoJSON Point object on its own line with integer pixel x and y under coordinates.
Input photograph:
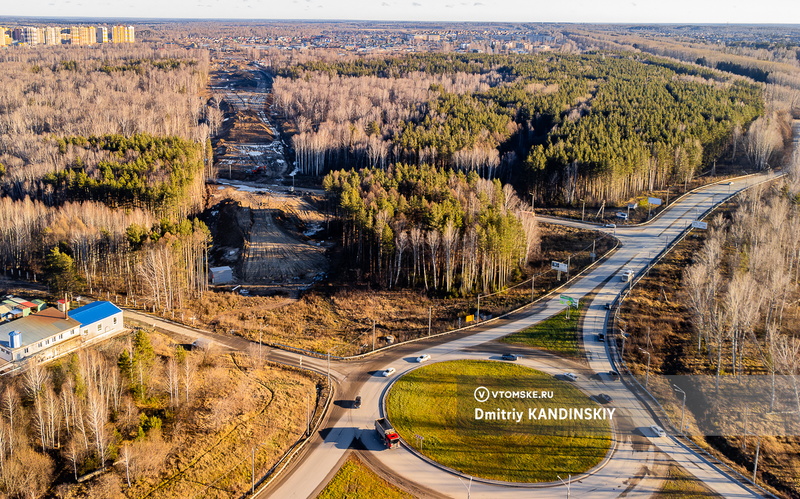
{"type": "Point", "coordinates": [481, 394]}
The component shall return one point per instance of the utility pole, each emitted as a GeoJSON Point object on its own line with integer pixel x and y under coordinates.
{"type": "Point", "coordinates": [308, 416]}
{"type": "Point", "coordinates": [430, 314]}
{"type": "Point", "coordinates": [583, 211]}
{"type": "Point", "coordinates": [253, 473]}
{"type": "Point", "coordinates": [755, 465]}
{"type": "Point", "coordinates": [478, 314]}
{"type": "Point", "coordinates": [683, 406]}
{"type": "Point", "coordinates": [373, 335]}
{"type": "Point", "coordinates": [647, 372]}
{"type": "Point", "coordinates": [533, 287]}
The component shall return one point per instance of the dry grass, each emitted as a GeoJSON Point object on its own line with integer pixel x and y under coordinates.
{"type": "Point", "coordinates": [338, 318]}
{"type": "Point", "coordinates": [680, 484]}
{"type": "Point", "coordinates": [211, 456]}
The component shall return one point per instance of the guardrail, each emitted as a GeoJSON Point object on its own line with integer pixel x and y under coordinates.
{"type": "Point", "coordinates": [288, 456]}
{"type": "Point", "coordinates": [647, 398]}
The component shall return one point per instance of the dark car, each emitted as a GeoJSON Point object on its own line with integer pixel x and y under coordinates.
{"type": "Point", "coordinates": [608, 306]}
{"type": "Point", "coordinates": [604, 398]}
{"type": "Point", "coordinates": [601, 337]}
{"type": "Point", "coordinates": [508, 356]}
{"type": "Point", "coordinates": [613, 374]}
{"type": "Point", "coordinates": [357, 402]}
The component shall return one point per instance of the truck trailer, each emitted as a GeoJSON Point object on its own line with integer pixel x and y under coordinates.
{"type": "Point", "coordinates": [386, 433]}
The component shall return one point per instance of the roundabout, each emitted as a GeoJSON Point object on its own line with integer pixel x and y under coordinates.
{"type": "Point", "coordinates": [499, 421]}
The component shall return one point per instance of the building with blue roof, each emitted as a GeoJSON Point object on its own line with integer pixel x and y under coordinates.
{"type": "Point", "coordinates": [47, 332]}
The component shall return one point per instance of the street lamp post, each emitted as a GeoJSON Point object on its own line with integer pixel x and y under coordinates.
{"type": "Point", "coordinates": [647, 372]}
{"type": "Point", "coordinates": [478, 313]}
{"type": "Point", "coordinates": [469, 488]}
{"type": "Point", "coordinates": [253, 469]}
{"type": "Point", "coordinates": [683, 406]}
{"type": "Point", "coordinates": [569, 479]}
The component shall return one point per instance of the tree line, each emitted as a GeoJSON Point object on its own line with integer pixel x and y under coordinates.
{"type": "Point", "coordinates": [425, 227]}
{"type": "Point", "coordinates": [595, 126]}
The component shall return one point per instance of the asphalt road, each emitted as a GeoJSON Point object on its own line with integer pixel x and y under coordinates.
{"type": "Point", "coordinates": [627, 472]}
{"type": "Point", "coordinates": [636, 450]}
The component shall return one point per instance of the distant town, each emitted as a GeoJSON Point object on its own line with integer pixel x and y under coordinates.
{"type": "Point", "coordinates": [73, 35]}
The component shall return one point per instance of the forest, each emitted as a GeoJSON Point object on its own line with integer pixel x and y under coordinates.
{"type": "Point", "coordinates": [116, 190]}
{"type": "Point", "coordinates": [598, 127]}
{"type": "Point", "coordinates": [425, 227]}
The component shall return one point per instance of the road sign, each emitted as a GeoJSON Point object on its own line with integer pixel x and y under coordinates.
{"type": "Point", "coordinates": [697, 224]}
{"type": "Point", "coordinates": [567, 300]}
{"type": "Point", "coordinates": [560, 266]}
{"type": "Point", "coordinates": [654, 201]}
{"type": "Point", "coordinates": [469, 318]}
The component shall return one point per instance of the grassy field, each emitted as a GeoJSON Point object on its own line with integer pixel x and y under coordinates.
{"type": "Point", "coordinates": [356, 481]}
{"type": "Point", "coordinates": [437, 403]}
{"type": "Point", "coordinates": [680, 484]}
{"type": "Point", "coordinates": [557, 334]}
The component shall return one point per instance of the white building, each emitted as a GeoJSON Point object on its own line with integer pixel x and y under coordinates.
{"type": "Point", "coordinates": [48, 331]}
{"type": "Point", "coordinates": [221, 275]}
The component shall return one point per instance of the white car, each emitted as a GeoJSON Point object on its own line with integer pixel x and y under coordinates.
{"type": "Point", "coordinates": [610, 226]}
{"type": "Point", "coordinates": [571, 376]}
{"type": "Point", "coordinates": [657, 430]}
{"type": "Point", "coordinates": [388, 371]}
{"type": "Point", "coordinates": [423, 358]}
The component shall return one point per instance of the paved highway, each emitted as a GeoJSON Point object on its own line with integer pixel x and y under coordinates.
{"type": "Point", "coordinates": [634, 453]}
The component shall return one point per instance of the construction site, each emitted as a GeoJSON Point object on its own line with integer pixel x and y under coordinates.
{"type": "Point", "coordinates": [269, 233]}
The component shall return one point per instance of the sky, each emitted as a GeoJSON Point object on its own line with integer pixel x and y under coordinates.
{"type": "Point", "coordinates": [595, 11]}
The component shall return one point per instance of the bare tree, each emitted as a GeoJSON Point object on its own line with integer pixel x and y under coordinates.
{"type": "Point", "coordinates": [763, 138]}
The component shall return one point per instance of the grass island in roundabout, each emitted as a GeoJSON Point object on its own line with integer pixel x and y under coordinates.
{"type": "Point", "coordinates": [500, 421]}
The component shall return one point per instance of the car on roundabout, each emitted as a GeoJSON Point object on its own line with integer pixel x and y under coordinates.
{"type": "Point", "coordinates": [604, 398]}
{"type": "Point", "coordinates": [388, 372]}
{"type": "Point", "coordinates": [509, 356]}
{"type": "Point", "coordinates": [571, 376]}
{"type": "Point", "coordinates": [657, 430]}
{"type": "Point", "coordinates": [423, 357]}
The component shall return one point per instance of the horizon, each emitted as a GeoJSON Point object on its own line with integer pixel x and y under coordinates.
{"type": "Point", "coordinates": [41, 19]}
{"type": "Point", "coordinates": [735, 12]}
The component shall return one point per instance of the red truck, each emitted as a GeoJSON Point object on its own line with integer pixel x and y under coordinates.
{"type": "Point", "coordinates": [386, 433]}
